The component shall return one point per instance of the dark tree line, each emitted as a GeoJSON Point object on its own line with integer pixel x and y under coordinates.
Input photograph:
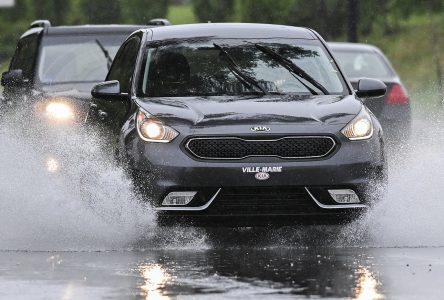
{"type": "Point", "coordinates": [349, 19]}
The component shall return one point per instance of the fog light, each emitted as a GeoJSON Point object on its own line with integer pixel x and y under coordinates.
{"type": "Point", "coordinates": [178, 198]}
{"type": "Point", "coordinates": [344, 196]}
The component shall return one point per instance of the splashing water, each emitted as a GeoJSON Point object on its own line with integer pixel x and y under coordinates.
{"type": "Point", "coordinates": [411, 213]}
{"type": "Point", "coordinates": [60, 190]}
{"type": "Point", "coordinates": [45, 175]}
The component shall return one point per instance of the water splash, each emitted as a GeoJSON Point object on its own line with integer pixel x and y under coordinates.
{"type": "Point", "coordinates": [88, 203]}
{"type": "Point", "coordinates": [46, 173]}
{"type": "Point", "coordinates": [411, 213]}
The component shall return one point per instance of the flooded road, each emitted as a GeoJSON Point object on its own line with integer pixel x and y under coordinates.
{"type": "Point", "coordinates": [248, 273]}
{"type": "Point", "coordinates": [56, 245]}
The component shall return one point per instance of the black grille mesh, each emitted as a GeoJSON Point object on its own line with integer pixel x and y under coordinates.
{"type": "Point", "coordinates": [235, 148]}
{"type": "Point", "coordinates": [263, 201]}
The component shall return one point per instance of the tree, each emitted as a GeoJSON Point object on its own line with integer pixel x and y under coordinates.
{"type": "Point", "coordinates": [141, 11]}
{"type": "Point", "coordinates": [328, 17]}
{"type": "Point", "coordinates": [432, 8]}
{"type": "Point", "coordinates": [352, 20]}
{"type": "Point", "coordinates": [265, 11]}
{"type": "Point", "coordinates": [53, 10]}
{"type": "Point", "coordinates": [213, 10]}
{"type": "Point", "coordinates": [14, 21]}
{"type": "Point", "coordinates": [101, 11]}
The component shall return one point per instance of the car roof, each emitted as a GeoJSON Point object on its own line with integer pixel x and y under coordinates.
{"type": "Point", "coordinates": [91, 29]}
{"type": "Point", "coordinates": [231, 30]}
{"type": "Point", "coordinates": [353, 47]}
{"type": "Point", "coordinates": [86, 29]}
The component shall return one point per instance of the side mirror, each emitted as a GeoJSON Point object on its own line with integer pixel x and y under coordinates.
{"type": "Point", "coordinates": [13, 78]}
{"type": "Point", "coordinates": [108, 90]}
{"type": "Point", "coordinates": [369, 88]}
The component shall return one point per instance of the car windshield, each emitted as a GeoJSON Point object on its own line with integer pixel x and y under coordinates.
{"type": "Point", "coordinates": [363, 64]}
{"type": "Point", "coordinates": [211, 67]}
{"type": "Point", "coordinates": [76, 58]}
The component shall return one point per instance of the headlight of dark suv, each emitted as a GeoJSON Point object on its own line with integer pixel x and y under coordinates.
{"type": "Point", "coordinates": [360, 128]}
{"type": "Point", "coordinates": [151, 129]}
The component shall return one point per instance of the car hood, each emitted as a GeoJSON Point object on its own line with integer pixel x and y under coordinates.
{"type": "Point", "coordinates": [81, 87]}
{"type": "Point", "coordinates": [212, 111]}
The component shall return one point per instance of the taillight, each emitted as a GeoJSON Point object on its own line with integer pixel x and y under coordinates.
{"type": "Point", "coordinates": [397, 96]}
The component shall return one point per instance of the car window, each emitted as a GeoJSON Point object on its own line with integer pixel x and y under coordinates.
{"type": "Point", "coordinates": [124, 63]}
{"type": "Point", "coordinates": [363, 64]}
{"type": "Point", "coordinates": [77, 58]}
{"type": "Point", "coordinates": [200, 68]}
{"type": "Point", "coordinates": [25, 54]}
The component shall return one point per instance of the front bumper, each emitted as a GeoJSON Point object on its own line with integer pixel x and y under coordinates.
{"type": "Point", "coordinates": [299, 191]}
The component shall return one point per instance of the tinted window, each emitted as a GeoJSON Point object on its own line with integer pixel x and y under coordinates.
{"type": "Point", "coordinates": [76, 58]}
{"type": "Point", "coordinates": [123, 66]}
{"type": "Point", "coordinates": [363, 64]}
{"type": "Point", "coordinates": [25, 55]}
{"type": "Point", "coordinates": [205, 68]}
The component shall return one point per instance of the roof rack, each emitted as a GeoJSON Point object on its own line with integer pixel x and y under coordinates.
{"type": "Point", "coordinates": [159, 22]}
{"type": "Point", "coordinates": [40, 23]}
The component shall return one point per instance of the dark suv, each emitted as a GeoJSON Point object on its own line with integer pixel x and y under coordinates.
{"type": "Point", "coordinates": [241, 124]}
{"type": "Point", "coordinates": [54, 67]}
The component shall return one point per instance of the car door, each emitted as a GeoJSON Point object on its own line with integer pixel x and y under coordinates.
{"type": "Point", "coordinates": [111, 113]}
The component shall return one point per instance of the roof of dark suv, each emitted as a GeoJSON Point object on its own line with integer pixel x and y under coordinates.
{"type": "Point", "coordinates": [84, 29]}
{"type": "Point", "coordinates": [232, 30]}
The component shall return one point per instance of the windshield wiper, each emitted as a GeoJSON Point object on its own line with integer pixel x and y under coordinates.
{"type": "Point", "coordinates": [294, 69]}
{"type": "Point", "coordinates": [109, 60]}
{"type": "Point", "coordinates": [234, 68]}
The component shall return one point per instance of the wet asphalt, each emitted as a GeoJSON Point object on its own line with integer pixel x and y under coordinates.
{"type": "Point", "coordinates": [244, 273]}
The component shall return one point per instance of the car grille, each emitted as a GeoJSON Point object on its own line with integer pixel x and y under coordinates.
{"type": "Point", "coordinates": [263, 201]}
{"type": "Point", "coordinates": [239, 148]}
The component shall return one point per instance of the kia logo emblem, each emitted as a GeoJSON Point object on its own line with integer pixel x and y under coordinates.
{"type": "Point", "coordinates": [262, 176]}
{"type": "Point", "coordinates": [260, 128]}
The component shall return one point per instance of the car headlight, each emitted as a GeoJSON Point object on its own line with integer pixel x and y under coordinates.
{"type": "Point", "coordinates": [151, 129]}
{"type": "Point", "coordinates": [59, 111]}
{"type": "Point", "coordinates": [360, 128]}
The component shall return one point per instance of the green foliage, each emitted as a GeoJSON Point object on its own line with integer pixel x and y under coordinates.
{"type": "Point", "coordinates": [101, 11]}
{"type": "Point", "coordinates": [320, 15]}
{"type": "Point", "coordinates": [13, 21]}
{"type": "Point", "coordinates": [405, 8]}
{"type": "Point", "coordinates": [266, 11]}
{"type": "Point", "coordinates": [141, 11]}
{"type": "Point", "coordinates": [213, 10]}
{"type": "Point", "coordinates": [411, 52]}
{"type": "Point", "coordinates": [181, 14]}
{"type": "Point", "coordinates": [53, 10]}
{"type": "Point", "coordinates": [8, 40]}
